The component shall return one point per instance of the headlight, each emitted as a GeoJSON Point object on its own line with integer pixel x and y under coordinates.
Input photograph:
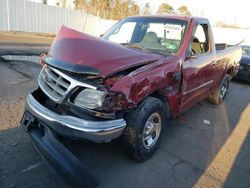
{"type": "Point", "coordinates": [241, 67]}
{"type": "Point", "coordinates": [89, 98]}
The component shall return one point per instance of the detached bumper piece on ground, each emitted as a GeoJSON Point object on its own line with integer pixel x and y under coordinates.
{"type": "Point", "coordinates": [56, 155]}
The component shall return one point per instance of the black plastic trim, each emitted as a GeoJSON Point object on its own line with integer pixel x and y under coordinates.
{"type": "Point", "coordinates": [76, 68]}
{"type": "Point", "coordinates": [59, 158]}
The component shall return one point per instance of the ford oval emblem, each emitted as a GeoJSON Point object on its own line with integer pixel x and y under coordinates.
{"type": "Point", "coordinates": [48, 79]}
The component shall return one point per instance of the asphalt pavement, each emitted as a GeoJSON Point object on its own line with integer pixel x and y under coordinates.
{"type": "Point", "coordinates": [207, 146]}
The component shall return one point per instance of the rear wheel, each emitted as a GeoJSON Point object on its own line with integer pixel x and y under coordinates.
{"type": "Point", "coordinates": [144, 128]}
{"type": "Point", "coordinates": [219, 94]}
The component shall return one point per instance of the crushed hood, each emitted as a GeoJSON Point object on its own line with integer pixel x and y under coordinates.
{"type": "Point", "coordinates": [81, 53]}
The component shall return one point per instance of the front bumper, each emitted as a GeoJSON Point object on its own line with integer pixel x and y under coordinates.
{"type": "Point", "coordinates": [74, 127]}
{"type": "Point", "coordinates": [43, 125]}
{"type": "Point", "coordinates": [59, 158]}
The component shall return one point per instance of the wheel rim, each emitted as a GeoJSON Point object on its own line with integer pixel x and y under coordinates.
{"type": "Point", "coordinates": [224, 89]}
{"type": "Point", "coordinates": [152, 130]}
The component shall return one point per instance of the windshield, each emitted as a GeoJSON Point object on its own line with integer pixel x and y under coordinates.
{"type": "Point", "coordinates": [160, 35]}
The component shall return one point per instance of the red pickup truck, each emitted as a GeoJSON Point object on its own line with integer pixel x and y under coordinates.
{"type": "Point", "coordinates": [125, 84]}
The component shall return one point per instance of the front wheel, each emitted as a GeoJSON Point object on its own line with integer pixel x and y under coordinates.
{"type": "Point", "coordinates": [144, 128]}
{"type": "Point", "coordinates": [219, 94]}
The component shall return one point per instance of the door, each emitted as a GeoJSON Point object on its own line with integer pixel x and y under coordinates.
{"type": "Point", "coordinates": [197, 67]}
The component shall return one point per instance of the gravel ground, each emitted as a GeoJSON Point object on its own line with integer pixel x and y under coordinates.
{"type": "Point", "coordinates": [21, 43]}
{"type": "Point", "coordinates": [207, 146]}
{"type": "Point", "coordinates": [24, 38]}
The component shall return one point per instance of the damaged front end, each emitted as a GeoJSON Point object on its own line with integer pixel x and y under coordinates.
{"type": "Point", "coordinates": [86, 87]}
{"type": "Point", "coordinates": [52, 110]}
{"type": "Point", "coordinates": [55, 108]}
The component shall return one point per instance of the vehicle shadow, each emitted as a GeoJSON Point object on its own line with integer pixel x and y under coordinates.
{"type": "Point", "coordinates": [242, 82]}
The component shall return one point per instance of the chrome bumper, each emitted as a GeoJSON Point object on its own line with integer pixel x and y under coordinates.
{"type": "Point", "coordinates": [70, 126]}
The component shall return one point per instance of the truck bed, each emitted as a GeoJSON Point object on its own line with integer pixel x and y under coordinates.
{"type": "Point", "coordinates": [231, 52]}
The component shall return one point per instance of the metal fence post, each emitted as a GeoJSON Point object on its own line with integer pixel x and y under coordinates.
{"type": "Point", "coordinates": [25, 25]}
{"type": "Point", "coordinates": [8, 15]}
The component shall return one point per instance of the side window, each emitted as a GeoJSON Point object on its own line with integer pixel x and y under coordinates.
{"type": "Point", "coordinates": [123, 34]}
{"type": "Point", "coordinates": [200, 41]}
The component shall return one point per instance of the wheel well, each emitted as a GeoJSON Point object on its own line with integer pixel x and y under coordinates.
{"type": "Point", "coordinates": [164, 100]}
{"type": "Point", "coordinates": [230, 71]}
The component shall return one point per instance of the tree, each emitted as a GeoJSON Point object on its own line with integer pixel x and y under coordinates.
{"type": "Point", "coordinates": [184, 10]}
{"type": "Point", "coordinates": [165, 8]}
{"type": "Point", "coordinates": [45, 2]}
{"type": "Point", "coordinates": [79, 4]}
{"type": "Point", "coordinates": [134, 9]}
{"type": "Point", "coordinates": [109, 9]}
{"type": "Point", "coordinates": [147, 9]}
{"type": "Point", "coordinates": [61, 3]}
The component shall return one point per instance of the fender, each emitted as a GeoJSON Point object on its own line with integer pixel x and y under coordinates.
{"type": "Point", "coordinates": [163, 76]}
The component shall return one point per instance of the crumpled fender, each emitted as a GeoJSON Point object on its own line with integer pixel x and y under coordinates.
{"type": "Point", "coordinates": [150, 78]}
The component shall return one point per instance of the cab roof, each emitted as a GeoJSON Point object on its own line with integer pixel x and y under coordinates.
{"type": "Point", "coordinates": [170, 16]}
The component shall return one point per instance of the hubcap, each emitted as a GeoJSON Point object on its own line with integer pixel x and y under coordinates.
{"type": "Point", "coordinates": [223, 90]}
{"type": "Point", "coordinates": [151, 131]}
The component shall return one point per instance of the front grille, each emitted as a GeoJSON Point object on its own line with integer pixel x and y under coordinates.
{"type": "Point", "coordinates": [53, 84]}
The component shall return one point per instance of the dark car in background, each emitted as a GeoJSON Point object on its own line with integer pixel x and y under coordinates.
{"type": "Point", "coordinates": [244, 69]}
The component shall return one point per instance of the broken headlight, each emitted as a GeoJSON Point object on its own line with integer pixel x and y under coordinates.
{"type": "Point", "coordinates": [89, 98]}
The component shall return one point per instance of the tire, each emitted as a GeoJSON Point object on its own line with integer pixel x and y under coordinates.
{"type": "Point", "coordinates": [219, 94]}
{"type": "Point", "coordinates": [144, 129]}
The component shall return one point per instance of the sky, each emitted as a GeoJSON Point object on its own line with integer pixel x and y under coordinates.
{"type": "Point", "coordinates": [230, 12]}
